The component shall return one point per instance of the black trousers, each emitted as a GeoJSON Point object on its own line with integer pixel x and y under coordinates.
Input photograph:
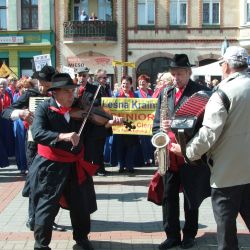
{"type": "Point", "coordinates": [94, 152]}
{"type": "Point", "coordinates": [52, 179]}
{"type": "Point", "coordinates": [227, 204]}
{"type": "Point", "coordinates": [171, 209]}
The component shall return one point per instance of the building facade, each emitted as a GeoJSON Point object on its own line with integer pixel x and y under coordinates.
{"type": "Point", "coordinates": [148, 33]}
{"type": "Point", "coordinates": [26, 30]}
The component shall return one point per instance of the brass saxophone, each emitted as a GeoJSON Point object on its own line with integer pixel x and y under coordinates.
{"type": "Point", "coordinates": [160, 140]}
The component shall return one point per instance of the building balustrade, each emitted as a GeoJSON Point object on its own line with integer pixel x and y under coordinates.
{"type": "Point", "coordinates": [90, 30]}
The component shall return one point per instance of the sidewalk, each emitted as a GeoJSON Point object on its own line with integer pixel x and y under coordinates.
{"type": "Point", "coordinates": [124, 219]}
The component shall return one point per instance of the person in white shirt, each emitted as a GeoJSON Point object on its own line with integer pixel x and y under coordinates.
{"type": "Point", "coordinates": [225, 138]}
{"type": "Point", "coordinates": [84, 16]}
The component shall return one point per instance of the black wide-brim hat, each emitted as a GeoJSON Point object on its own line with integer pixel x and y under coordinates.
{"type": "Point", "coordinates": [45, 74]}
{"type": "Point", "coordinates": [62, 81]}
{"type": "Point", "coordinates": [180, 61]}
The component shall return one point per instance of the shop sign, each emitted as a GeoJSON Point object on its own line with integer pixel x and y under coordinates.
{"type": "Point", "coordinates": [92, 62]}
{"type": "Point", "coordinates": [11, 39]}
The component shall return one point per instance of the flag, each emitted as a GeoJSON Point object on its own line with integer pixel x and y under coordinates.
{"type": "Point", "coordinates": [5, 71]}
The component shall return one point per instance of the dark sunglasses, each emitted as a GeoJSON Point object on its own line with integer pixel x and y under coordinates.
{"type": "Point", "coordinates": [220, 63]}
{"type": "Point", "coordinates": [82, 75]}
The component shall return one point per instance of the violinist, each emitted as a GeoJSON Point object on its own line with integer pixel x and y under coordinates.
{"type": "Point", "coordinates": [97, 134]}
{"type": "Point", "coordinates": [57, 170]}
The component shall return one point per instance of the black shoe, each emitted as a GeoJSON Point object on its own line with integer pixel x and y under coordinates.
{"type": "Point", "coordinates": [187, 243]}
{"type": "Point", "coordinates": [131, 171]}
{"type": "Point", "coordinates": [121, 170]}
{"type": "Point", "coordinates": [56, 227]}
{"type": "Point", "coordinates": [30, 224]}
{"type": "Point", "coordinates": [169, 243]}
{"type": "Point", "coordinates": [85, 244]}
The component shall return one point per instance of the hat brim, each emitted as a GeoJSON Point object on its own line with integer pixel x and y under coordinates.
{"type": "Point", "coordinates": [182, 67]}
{"type": "Point", "coordinates": [63, 87]}
{"type": "Point", "coordinates": [40, 76]}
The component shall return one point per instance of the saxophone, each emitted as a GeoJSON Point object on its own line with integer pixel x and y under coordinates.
{"type": "Point", "coordinates": [160, 140]}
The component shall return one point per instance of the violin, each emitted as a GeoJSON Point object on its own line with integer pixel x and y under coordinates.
{"type": "Point", "coordinates": [98, 115]}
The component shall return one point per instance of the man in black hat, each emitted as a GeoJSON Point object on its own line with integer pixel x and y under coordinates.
{"type": "Point", "coordinates": [20, 109]}
{"type": "Point", "coordinates": [184, 87]}
{"type": "Point", "coordinates": [58, 169]}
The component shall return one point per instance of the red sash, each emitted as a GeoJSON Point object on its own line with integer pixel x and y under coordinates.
{"type": "Point", "coordinates": [59, 155]}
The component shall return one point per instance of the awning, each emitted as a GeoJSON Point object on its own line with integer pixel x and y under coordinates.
{"type": "Point", "coordinates": [212, 69]}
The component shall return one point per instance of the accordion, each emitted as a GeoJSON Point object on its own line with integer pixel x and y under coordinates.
{"type": "Point", "coordinates": [188, 119]}
{"type": "Point", "coordinates": [189, 115]}
{"type": "Point", "coordinates": [33, 103]}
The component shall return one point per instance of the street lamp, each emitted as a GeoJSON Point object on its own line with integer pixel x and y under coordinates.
{"type": "Point", "coordinates": [224, 46]}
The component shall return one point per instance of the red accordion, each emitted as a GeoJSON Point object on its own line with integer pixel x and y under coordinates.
{"type": "Point", "coordinates": [187, 121]}
{"type": "Point", "coordinates": [189, 115]}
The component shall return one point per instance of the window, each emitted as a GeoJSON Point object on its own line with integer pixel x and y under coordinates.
{"type": "Point", "coordinates": [178, 12]}
{"type": "Point", "coordinates": [26, 67]}
{"type": "Point", "coordinates": [29, 10]}
{"type": "Point", "coordinates": [104, 10]}
{"type": "Point", "coordinates": [5, 61]}
{"type": "Point", "coordinates": [146, 12]}
{"type": "Point", "coordinates": [211, 12]}
{"type": "Point", "coordinates": [248, 11]}
{"type": "Point", "coordinates": [78, 6]}
{"type": "Point", "coordinates": [3, 15]}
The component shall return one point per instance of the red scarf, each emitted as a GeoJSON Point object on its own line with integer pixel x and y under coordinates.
{"type": "Point", "coordinates": [5, 101]}
{"type": "Point", "coordinates": [158, 91]}
{"type": "Point", "coordinates": [81, 91]}
{"type": "Point", "coordinates": [59, 155]}
{"type": "Point", "coordinates": [61, 110]}
{"type": "Point", "coordinates": [178, 95]}
{"type": "Point", "coordinates": [145, 94]}
{"type": "Point", "coordinates": [122, 94]}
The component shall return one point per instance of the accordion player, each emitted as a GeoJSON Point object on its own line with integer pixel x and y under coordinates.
{"type": "Point", "coordinates": [188, 119]}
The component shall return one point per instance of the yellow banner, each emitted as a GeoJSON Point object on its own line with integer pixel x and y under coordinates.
{"type": "Point", "coordinates": [4, 70]}
{"type": "Point", "coordinates": [139, 111]}
{"type": "Point", "coordinates": [121, 63]}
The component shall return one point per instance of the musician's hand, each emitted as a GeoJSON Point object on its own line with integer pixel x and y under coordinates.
{"type": "Point", "coordinates": [26, 115]}
{"type": "Point", "coordinates": [166, 125]}
{"type": "Point", "coordinates": [115, 121]}
{"type": "Point", "coordinates": [72, 137]}
{"type": "Point", "coordinates": [176, 149]}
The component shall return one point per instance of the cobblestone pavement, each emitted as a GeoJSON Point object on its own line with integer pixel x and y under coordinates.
{"type": "Point", "coordinates": [124, 219]}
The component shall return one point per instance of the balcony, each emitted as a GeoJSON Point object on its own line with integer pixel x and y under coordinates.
{"type": "Point", "coordinates": [89, 31]}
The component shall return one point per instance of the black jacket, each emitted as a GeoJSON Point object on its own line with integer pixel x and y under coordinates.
{"type": "Point", "coordinates": [194, 179]}
{"type": "Point", "coordinates": [50, 177]}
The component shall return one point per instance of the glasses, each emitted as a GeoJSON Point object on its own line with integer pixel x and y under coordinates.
{"type": "Point", "coordinates": [103, 77]}
{"type": "Point", "coordinates": [82, 75]}
{"type": "Point", "coordinates": [220, 63]}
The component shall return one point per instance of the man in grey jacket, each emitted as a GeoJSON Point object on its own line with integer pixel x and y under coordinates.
{"type": "Point", "coordinates": [225, 137]}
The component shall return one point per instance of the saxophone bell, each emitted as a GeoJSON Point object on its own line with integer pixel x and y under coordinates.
{"type": "Point", "coordinates": [160, 140]}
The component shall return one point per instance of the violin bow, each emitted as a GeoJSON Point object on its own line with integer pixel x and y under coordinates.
{"type": "Point", "coordinates": [87, 116]}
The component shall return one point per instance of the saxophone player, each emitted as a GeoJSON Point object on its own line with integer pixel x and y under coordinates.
{"type": "Point", "coordinates": [174, 179]}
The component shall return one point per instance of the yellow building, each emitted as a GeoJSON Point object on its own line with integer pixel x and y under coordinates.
{"type": "Point", "coordinates": [148, 32]}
